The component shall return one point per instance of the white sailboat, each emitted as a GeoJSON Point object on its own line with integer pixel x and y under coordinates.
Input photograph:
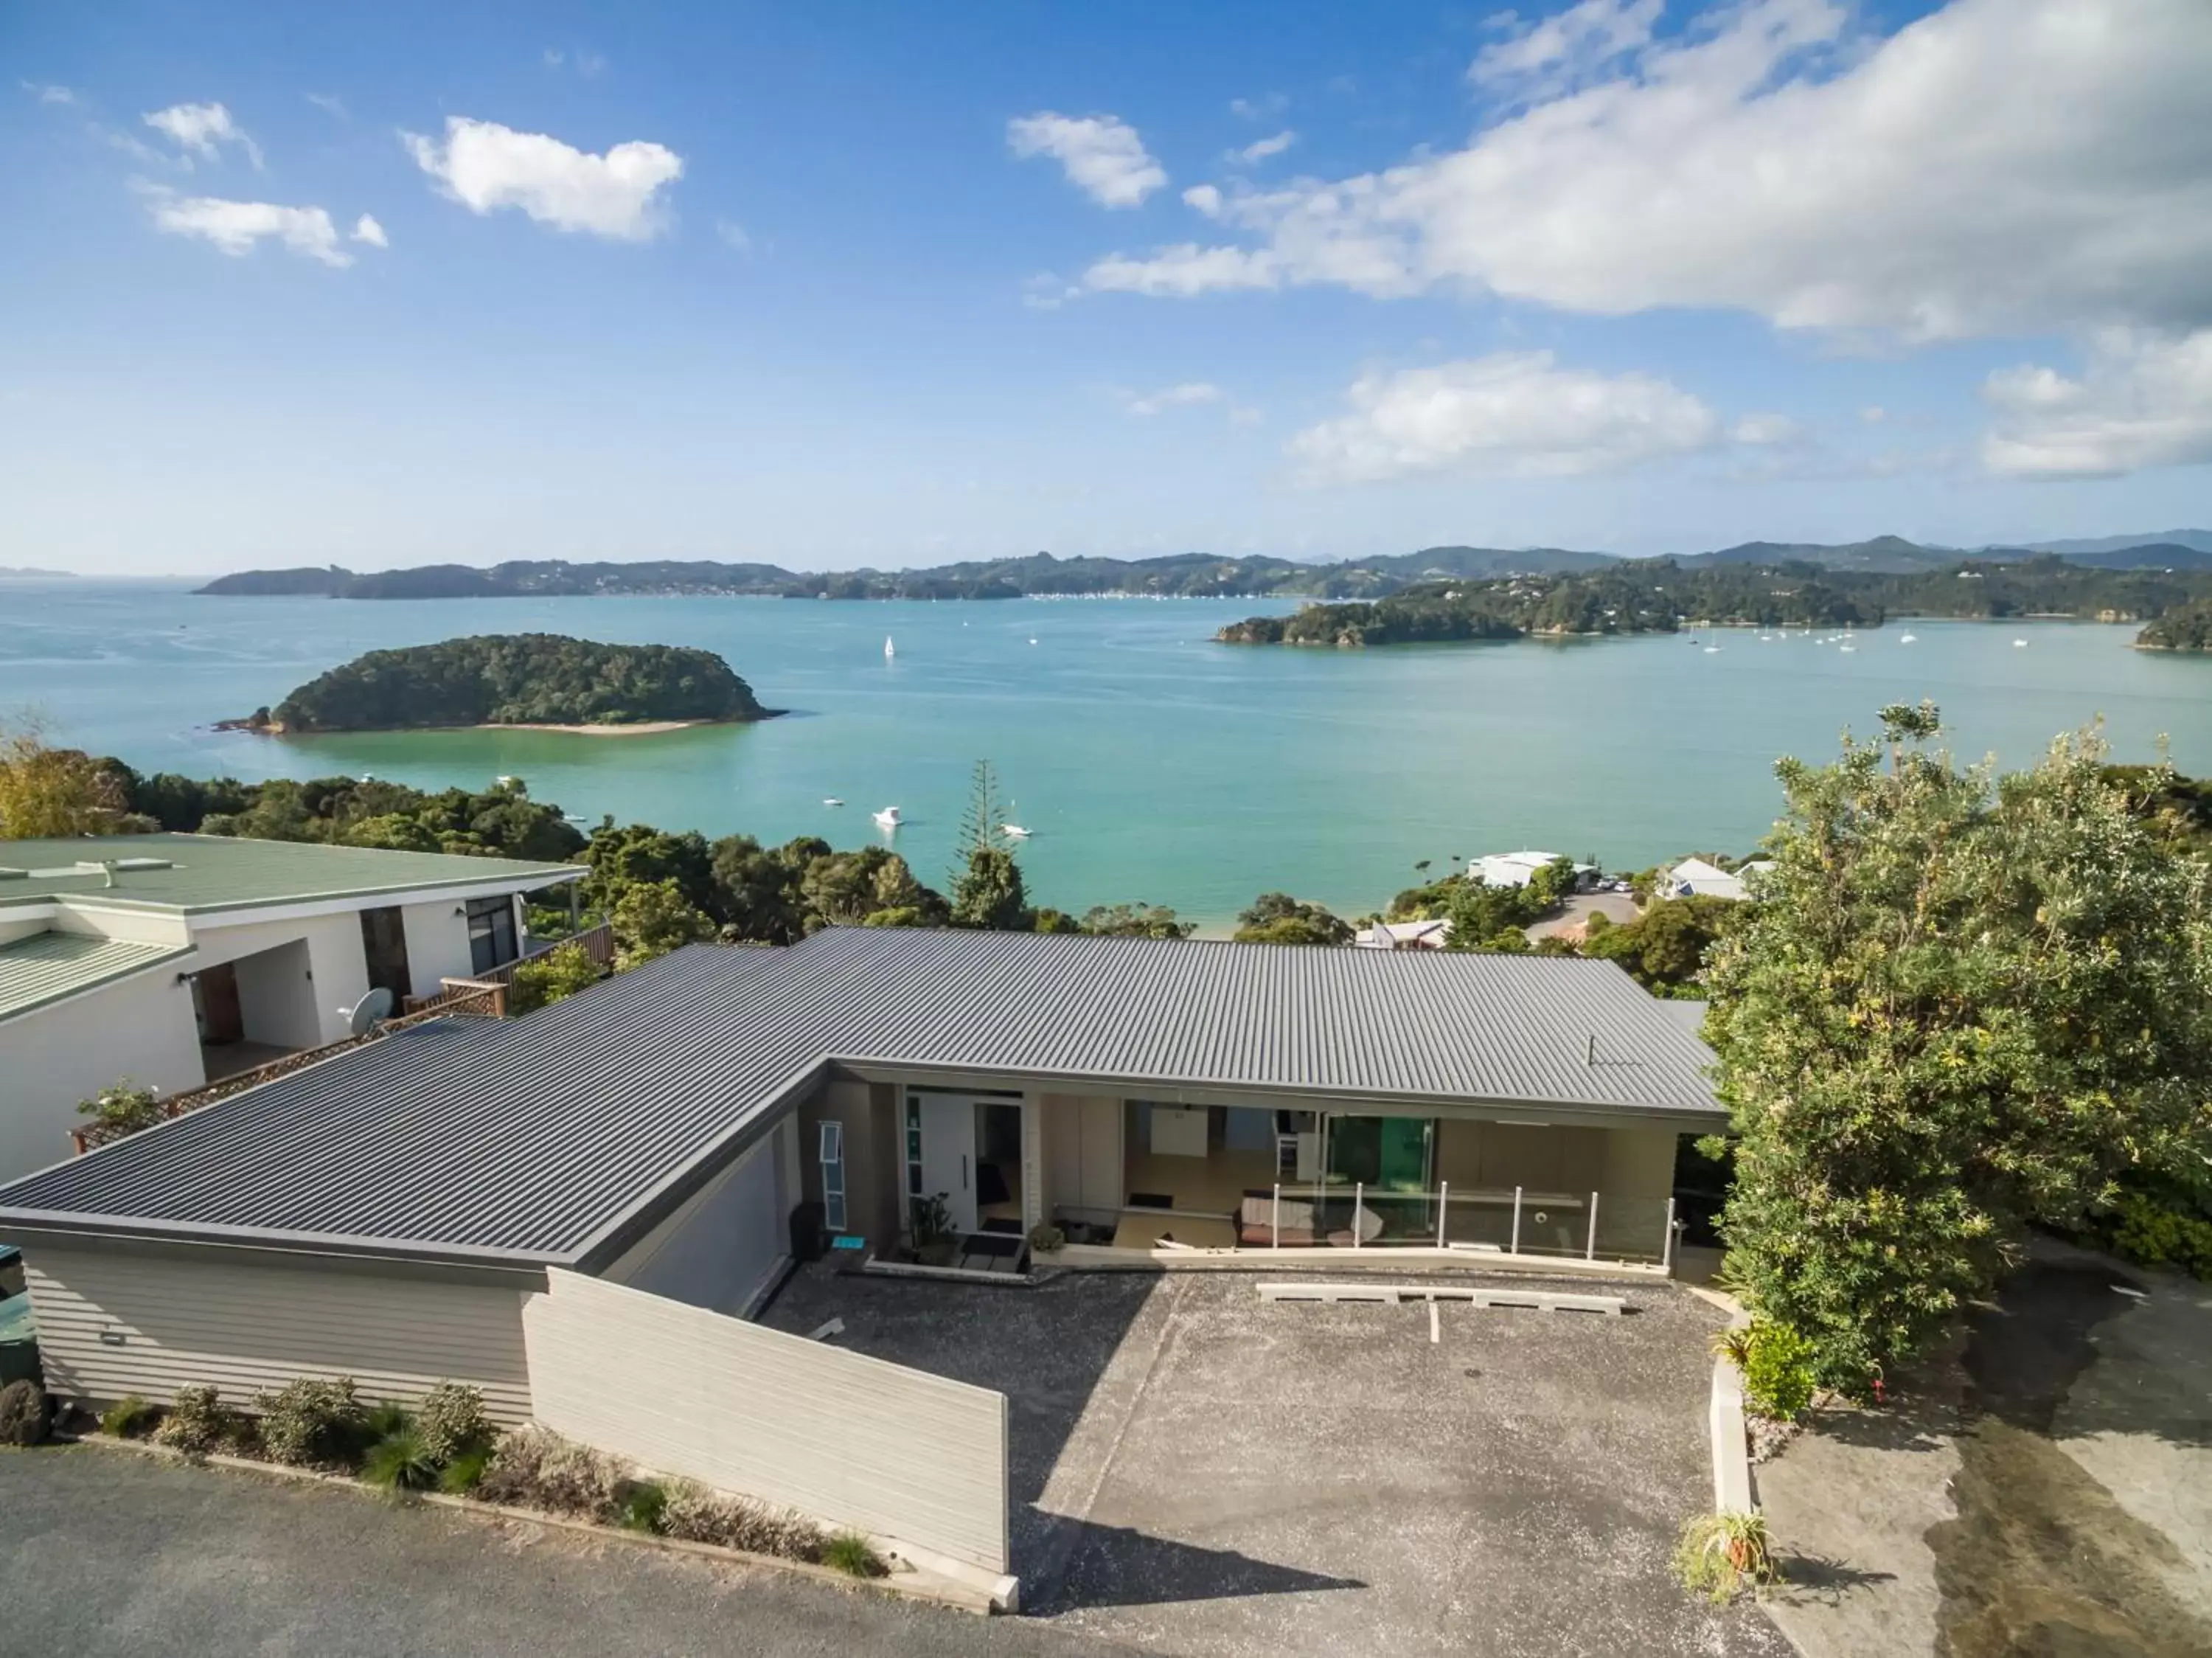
{"type": "Point", "coordinates": [888, 818]}
{"type": "Point", "coordinates": [890, 649]}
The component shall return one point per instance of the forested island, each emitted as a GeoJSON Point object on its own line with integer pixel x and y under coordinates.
{"type": "Point", "coordinates": [515, 679]}
{"type": "Point", "coordinates": [2185, 627]}
{"type": "Point", "coordinates": [1664, 596]}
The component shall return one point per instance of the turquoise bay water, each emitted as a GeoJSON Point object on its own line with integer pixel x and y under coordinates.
{"type": "Point", "coordinates": [1151, 763]}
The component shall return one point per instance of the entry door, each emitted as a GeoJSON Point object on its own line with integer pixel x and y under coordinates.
{"type": "Point", "coordinates": [215, 999]}
{"type": "Point", "coordinates": [948, 1154]}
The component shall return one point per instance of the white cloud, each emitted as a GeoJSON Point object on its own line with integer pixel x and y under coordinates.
{"type": "Point", "coordinates": [1205, 197]}
{"type": "Point", "coordinates": [1874, 414]}
{"type": "Point", "coordinates": [366, 229]}
{"type": "Point", "coordinates": [1514, 414]}
{"type": "Point", "coordinates": [1184, 396]}
{"type": "Point", "coordinates": [49, 95]}
{"type": "Point", "coordinates": [2142, 401]}
{"type": "Point", "coordinates": [1102, 155]}
{"type": "Point", "coordinates": [202, 130]}
{"type": "Point", "coordinates": [733, 235]}
{"type": "Point", "coordinates": [1261, 149]}
{"type": "Point", "coordinates": [1568, 47]}
{"type": "Point", "coordinates": [330, 103]}
{"type": "Point", "coordinates": [553, 57]}
{"type": "Point", "coordinates": [1767, 429]}
{"type": "Point", "coordinates": [485, 166]}
{"type": "Point", "coordinates": [1258, 109]}
{"type": "Point", "coordinates": [1996, 166]}
{"type": "Point", "coordinates": [237, 227]}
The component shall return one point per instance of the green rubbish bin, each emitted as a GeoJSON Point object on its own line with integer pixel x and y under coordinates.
{"type": "Point", "coordinates": [19, 1341]}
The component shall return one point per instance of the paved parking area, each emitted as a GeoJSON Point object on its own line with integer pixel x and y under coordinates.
{"type": "Point", "coordinates": [1196, 1471]}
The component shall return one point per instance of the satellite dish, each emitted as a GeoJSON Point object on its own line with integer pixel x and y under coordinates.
{"type": "Point", "coordinates": [369, 1012]}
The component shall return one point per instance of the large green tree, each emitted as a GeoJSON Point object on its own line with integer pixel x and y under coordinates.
{"type": "Point", "coordinates": [1966, 1004]}
{"type": "Point", "coordinates": [1278, 918]}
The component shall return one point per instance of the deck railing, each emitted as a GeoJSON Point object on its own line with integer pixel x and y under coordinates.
{"type": "Point", "coordinates": [461, 1001]}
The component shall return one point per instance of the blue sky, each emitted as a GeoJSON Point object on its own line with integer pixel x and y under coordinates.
{"type": "Point", "coordinates": [867, 285]}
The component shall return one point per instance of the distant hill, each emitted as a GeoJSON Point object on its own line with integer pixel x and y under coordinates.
{"type": "Point", "coordinates": [1170, 575]}
{"type": "Point", "coordinates": [2201, 540]}
{"type": "Point", "coordinates": [1485, 562]}
{"type": "Point", "coordinates": [28, 573]}
{"type": "Point", "coordinates": [1886, 554]}
{"type": "Point", "coordinates": [2156, 555]}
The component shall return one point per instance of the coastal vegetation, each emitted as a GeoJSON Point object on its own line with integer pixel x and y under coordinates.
{"type": "Point", "coordinates": [1962, 1006]}
{"type": "Point", "coordinates": [2187, 627]}
{"type": "Point", "coordinates": [521, 679]}
{"type": "Point", "coordinates": [1665, 596]}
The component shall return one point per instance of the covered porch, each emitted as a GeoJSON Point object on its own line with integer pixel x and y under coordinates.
{"type": "Point", "coordinates": [1153, 1178]}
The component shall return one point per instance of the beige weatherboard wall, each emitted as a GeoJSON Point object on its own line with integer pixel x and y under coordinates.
{"type": "Point", "coordinates": [119, 1320]}
{"type": "Point", "coordinates": [846, 1439]}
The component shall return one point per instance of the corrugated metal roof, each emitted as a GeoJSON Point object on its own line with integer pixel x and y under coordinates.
{"type": "Point", "coordinates": [531, 1138]}
{"type": "Point", "coordinates": [224, 872]}
{"type": "Point", "coordinates": [47, 966]}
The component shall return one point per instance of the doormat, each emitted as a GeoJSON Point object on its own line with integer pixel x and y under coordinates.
{"type": "Point", "coordinates": [1150, 1200]}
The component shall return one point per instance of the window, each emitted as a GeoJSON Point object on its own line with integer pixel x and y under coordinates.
{"type": "Point", "coordinates": [833, 1176]}
{"type": "Point", "coordinates": [491, 933]}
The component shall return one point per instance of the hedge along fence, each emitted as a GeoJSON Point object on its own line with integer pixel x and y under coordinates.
{"type": "Point", "coordinates": [842, 1438]}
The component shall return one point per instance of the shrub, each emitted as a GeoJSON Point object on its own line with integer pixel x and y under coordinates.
{"type": "Point", "coordinates": [545, 979]}
{"type": "Point", "coordinates": [697, 1514]}
{"type": "Point", "coordinates": [196, 1422]}
{"type": "Point", "coordinates": [461, 1476]}
{"type": "Point", "coordinates": [641, 1506]}
{"type": "Point", "coordinates": [1045, 1238]}
{"type": "Point", "coordinates": [1721, 1555]}
{"type": "Point", "coordinates": [451, 1420]}
{"type": "Point", "coordinates": [312, 1422]}
{"type": "Point", "coordinates": [534, 1469]}
{"type": "Point", "coordinates": [23, 1413]}
{"type": "Point", "coordinates": [1779, 1366]}
{"type": "Point", "coordinates": [852, 1554]}
{"type": "Point", "coordinates": [123, 1109]}
{"type": "Point", "coordinates": [128, 1418]}
{"type": "Point", "coordinates": [2156, 1231]}
{"type": "Point", "coordinates": [398, 1462]}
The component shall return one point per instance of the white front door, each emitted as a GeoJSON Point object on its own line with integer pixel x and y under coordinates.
{"type": "Point", "coordinates": [948, 1154]}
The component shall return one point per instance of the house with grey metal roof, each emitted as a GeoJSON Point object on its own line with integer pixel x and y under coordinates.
{"type": "Point", "coordinates": [171, 961]}
{"type": "Point", "coordinates": [391, 1211]}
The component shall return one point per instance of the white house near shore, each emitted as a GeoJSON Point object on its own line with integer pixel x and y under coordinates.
{"type": "Point", "coordinates": [1518, 869]}
{"type": "Point", "coordinates": [1427, 933]}
{"type": "Point", "coordinates": [1695, 878]}
{"type": "Point", "coordinates": [174, 960]}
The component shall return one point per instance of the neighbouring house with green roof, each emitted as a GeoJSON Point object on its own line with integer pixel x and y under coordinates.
{"type": "Point", "coordinates": [173, 961]}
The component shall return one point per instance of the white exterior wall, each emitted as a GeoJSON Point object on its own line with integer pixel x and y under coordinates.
{"type": "Point", "coordinates": [437, 944]}
{"type": "Point", "coordinates": [725, 1246]}
{"type": "Point", "coordinates": [112, 1322]}
{"type": "Point", "coordinates": [53, 1057]}
{"type": "Point", "coordinates": [848, 1440]}
{"type": "Point", "coordinates": [305, 989]}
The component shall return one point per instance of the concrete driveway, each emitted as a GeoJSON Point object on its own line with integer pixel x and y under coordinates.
{"type": "Point", "coordinates": [2044, 1487]}
{"type": "Point", "coordinates": [1196, 1471]}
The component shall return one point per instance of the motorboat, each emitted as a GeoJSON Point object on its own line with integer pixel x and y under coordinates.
{"type": "Point", "coordinates": [888, 818]}
{"type": "Point", "coordinates": [2020, 644]}
{"type": "Point", "coordinates": [1013, 831]}
{"type": "Point", "coordinates": [1908, 638]}
{"type": "Point", "coordinates": [831, 799]}
{"type": "Point", "coordinates": [1712, 650]}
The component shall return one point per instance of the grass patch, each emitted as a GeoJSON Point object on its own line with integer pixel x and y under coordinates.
{"type": "Point", "coordinates": [642, 1507]}
{"type": "Point", "coordinates": [1720, 1555]}
{"type": "Point", "coordinates": [853, 1555]}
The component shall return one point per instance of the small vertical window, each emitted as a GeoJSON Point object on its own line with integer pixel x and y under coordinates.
{"type": "Point", "coordinates": [833, 1176]}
